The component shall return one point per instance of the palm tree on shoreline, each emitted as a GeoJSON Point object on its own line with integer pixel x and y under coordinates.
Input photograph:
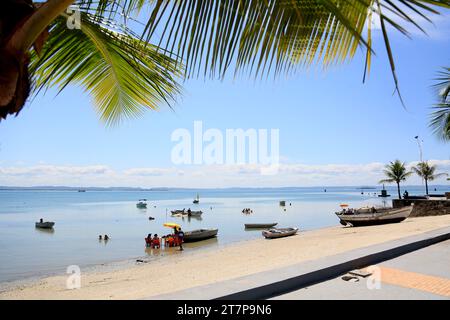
{"type": "Point", "coordinates": [427, 172]}
{"type": "Point", "coordinates": [127, 73]}
{"type": "Point", "coordinates": [396, 172]}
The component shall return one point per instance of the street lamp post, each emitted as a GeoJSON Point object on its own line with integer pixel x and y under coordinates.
{"type": "Point", "coordinates": [420, 147]}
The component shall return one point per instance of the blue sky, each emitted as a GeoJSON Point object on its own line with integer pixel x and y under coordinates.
{"type": "Point", "coordinates": [327, 119]}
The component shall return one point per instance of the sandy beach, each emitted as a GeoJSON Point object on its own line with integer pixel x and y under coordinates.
{"type": "Point", "coordinates": [188, 269]}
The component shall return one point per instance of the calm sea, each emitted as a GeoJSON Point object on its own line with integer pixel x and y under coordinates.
{"type": "Point", "coordinates": [81, 216]}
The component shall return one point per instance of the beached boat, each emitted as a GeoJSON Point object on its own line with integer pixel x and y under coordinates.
{"type": "Point", "coordinates": [200, 234]}
{"type": "Point", "coordinates": [178, 212]}
{"type": "Point", "coordinates": [279, 232]}
{"type": "Point", "coordinates": [45, 224]}
{"type": "Point", "coordinates": [142, 204]}
{"type": "Point", "coordinates": [371, 216]}
{"type": "Point", "coordinates": [260, 225]}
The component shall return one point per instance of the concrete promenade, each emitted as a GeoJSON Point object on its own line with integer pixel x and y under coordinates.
{"type": "Point", "coordinates": [415, 267]}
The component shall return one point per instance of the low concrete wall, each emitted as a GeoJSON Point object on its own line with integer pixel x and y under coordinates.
{"type": "Point", "coordinates": [423, 208]}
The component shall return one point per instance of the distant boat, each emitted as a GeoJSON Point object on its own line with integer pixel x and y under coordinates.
{"type": "Point", "coordinates": [384, 193]}
{"type": "Point", "coordinates": [372, 216]}
{"type": "Point", "coordinates": [279, 232]}
{"type": "Point", "coordinates": [282, 203]}
{"type": "Point", "coordinates": [196, 200]}
{"type": "Point", "coordinates": [259, 225]}
{"type": "Point", "coordinates": [45, 224]}
{"type": "Point", "coordinates": [194, 213]}
{"type": "Point", "coordinates": [81, 190]}
{"type": "Point", "coordinates": [200, 234]}
{"type": "Point", "coordinates": [142, 204]}
{"type": "Point", "coordinates": [180, 213]}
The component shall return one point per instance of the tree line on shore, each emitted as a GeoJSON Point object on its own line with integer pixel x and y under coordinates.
{"type": "Point", "coordinates": [397, 172]}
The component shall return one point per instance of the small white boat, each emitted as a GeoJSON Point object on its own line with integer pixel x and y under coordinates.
{"type": "Point", "coordinates": [279, 232]}
{"type": "Point", "coordinates": [367, 216]}
{"type": "Point", "coordinates": [45, 224]}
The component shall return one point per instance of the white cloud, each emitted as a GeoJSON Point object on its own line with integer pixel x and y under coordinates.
{"type": "Point", "coordinates": [289, 174]}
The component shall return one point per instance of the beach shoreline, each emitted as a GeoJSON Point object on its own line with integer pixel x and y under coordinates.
{"type": "Point", "coordinates": [187, 269]}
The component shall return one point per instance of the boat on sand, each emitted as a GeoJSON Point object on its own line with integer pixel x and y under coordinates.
{"type": "Point", "coordinates": [279, 232]}
{"type": "Point", "coordinates": [367, 216]}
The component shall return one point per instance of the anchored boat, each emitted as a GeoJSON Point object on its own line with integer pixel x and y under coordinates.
{"type": "Point", "coordinates": [200, 234]}
{"type": "Point", "coordinates": [371, 216]}
{"type": "Point", "coordinates": [142, 204]}
{"type": "Point", "coordinates": [260, 225]}
{"type": "Point", "coordinates": [45, 224]}
{"type": "Point", "coordinates": [196, 200]}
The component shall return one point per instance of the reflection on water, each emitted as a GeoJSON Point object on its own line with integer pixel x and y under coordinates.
{"type": "Point", "coordinates": [45, 230]}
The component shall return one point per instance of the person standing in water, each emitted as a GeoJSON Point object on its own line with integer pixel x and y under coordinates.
{"type": "Point", "coordinates": [180, 235]}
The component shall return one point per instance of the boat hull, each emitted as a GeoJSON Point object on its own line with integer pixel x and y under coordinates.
{"type": "Point", "coordinates": [279, 233]}
{"type": "Point", "coordinates": [259, 225]}
{"type": "Point", "coordinates": [368, 219]}
{"type": "Point", "coordinates": [199, 235]}
{"type": "Point", "coordinates": [45, 225]}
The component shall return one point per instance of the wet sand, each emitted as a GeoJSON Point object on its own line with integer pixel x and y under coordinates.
{"type": "Point", "coordinates": [186, 269]}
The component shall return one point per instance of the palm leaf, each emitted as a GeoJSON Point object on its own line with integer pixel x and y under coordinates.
{"type": "Point", "coordinates": [124, 75]}
{"type": "Point", "coordinates": [440, 117]}
{"type": "Point", "coordinates": [282, 33]}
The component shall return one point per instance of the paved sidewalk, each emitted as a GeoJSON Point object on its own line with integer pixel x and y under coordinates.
{"type": "Point", "coordinates": [275, 283]}
{"type": "Point", "coordinates": [422, 274]}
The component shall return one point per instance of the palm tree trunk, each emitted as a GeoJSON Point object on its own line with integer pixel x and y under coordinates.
{"type": "Point", "coordinates": [426, 185]}
{"type": "Point", "coordinates": [398, 189]}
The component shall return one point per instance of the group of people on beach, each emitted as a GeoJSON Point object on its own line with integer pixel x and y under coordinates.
{"type": "Point", "coordinates": [247, 210]}
{"type": "Point", "coordinates": [170, 240]}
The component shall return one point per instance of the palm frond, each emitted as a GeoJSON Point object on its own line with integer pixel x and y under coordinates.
{"type": "Point", "coordinates": [276, 35]}
{"type": "Point", "coordinates": [258, 36]}
{"type": "Point", "coordinates": [427, 171]}
{"type": "Point", "coordinates": [124, 75]}
{"type": "Point", "coordinates": [440, 117]}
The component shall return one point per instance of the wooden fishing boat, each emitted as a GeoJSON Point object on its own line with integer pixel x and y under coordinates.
{"type": "Point", "coordinates": [260, 225]}
{"type": "Point", "coordinates": [194, 213]}
{"type": "Point", "coordinates": [279, 232]}
{"type": "Point", "coordinates": [200, 234]}
{"type": "Point", "coordinates": [45, 224]}
{"type": "Point", "coordinates": [372, 216]}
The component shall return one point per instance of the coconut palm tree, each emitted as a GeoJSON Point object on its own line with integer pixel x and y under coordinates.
{"type": "Point", "coordinates": [396, 172]}
{"type": "Point", "coordinates": [126, 72]}
{"type": "Point", "coordinates": [427, 172]}
{"type": "Point", "coordinates": [440, 118]}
